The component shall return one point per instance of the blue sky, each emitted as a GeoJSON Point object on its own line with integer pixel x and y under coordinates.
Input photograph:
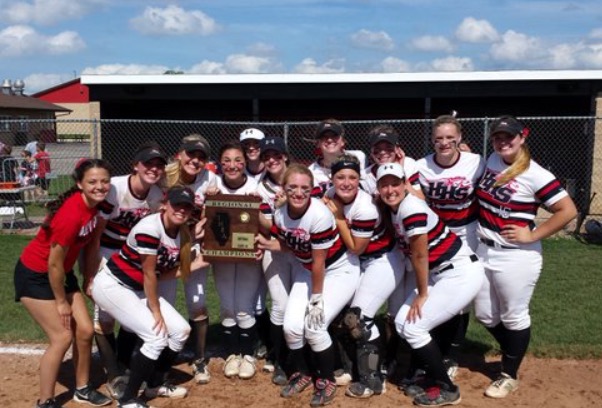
{"type": "Point", "coordinates": [46, 42]}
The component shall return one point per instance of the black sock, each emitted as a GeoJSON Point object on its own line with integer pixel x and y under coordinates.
{"type": "Point", "coordinates": [278, 349]}
{"type": "Point", "coordinates": [430, 358]}
{"type": "Point", "coordinates": [499, 334]}
{"type": "Point", "coordinates": [298, 361]}
{"type": "Point", "coordinates": [248, 340]}
{"type": "Point", "coordinates": [517, 343]}
{"type": "Point", "coordinates": [127, 344]}
{"type": "Point", "coordinates": [106, 348]}
{"type": "Point", "coordinates": [199, 337]}
{"type": "Point", "coordinates": [263, 329]}
{"type": "Point", "coordinates": [231, 339]}
{"type": "Point", "coordinates": [325, 363]}
{"type": "Point", "coordinates": [142, 368]}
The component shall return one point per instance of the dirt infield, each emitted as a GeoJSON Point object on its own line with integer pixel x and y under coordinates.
{"type": "Point", "coordinates": [544, 383]}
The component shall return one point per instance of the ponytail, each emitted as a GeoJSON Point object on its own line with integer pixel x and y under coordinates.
{"type": "Point", "coordinates": [172, 173]}
{"type": "Point", "coordinates": [53, 206]}
{"type": "Point", "coordinates": [520, 165]}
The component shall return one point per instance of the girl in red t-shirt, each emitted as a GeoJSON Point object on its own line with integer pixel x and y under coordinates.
{"type": "Point", "coordinates": [46, 284]}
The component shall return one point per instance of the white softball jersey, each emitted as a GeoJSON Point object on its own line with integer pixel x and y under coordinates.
{"type": "Point", "coordinates": [125, 210]}
{"type": "Point", "coordinates": [364, 221]}
{"type": "Point", "coordinates": [148, 237]}
{"type": "Point", "coordinates": [255, 176]}
{"type": "Point", "coordinates": [316, 229]}
{"type": "Point", "coordinates": [268, 189]}
{"type": "Point", "coordinates": [515, 202]}
{"type": "Point", "coordinates": [368, 181]}
{"type": "Point", "coordinates": [450, 191]}
{"type": "Point", "coordinates": [201, 184]}
{"type": "Point", "coordinates": [250, 186]}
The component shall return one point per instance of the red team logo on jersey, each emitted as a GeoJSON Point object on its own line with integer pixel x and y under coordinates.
{"type": "Point", "coordinates": [297, 239]}
{"type": "Point", "coordinates": [130, 217]}
{"type": "Point", "coordinates": [167, 258]}
{"type": "Point", "coordinates": [452, 189]}
{"type": "Point", "coordinates": [502, 194]}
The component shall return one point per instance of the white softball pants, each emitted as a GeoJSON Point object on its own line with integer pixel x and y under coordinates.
{"type": "Point", "coordinates": [510, 278]}
{"type": "Point", "coordinates": [379, 279]}
{"type": "Point", "coordinates": [130, 309]}
{"type": "Point", "coordinates": [339, 286]}
{"type": "Point", "coordinates": [448, 293]}
{"type": "Point", "coordinates": [279, 270]}
{"type": "Point", "coordinates": [237, 285]}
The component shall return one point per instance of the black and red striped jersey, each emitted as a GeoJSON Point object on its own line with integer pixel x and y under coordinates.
{"type": "Point", "coordinates": [515, 202]}
{"type": "Point", "coordinates": [315, 229]}
{"type": "Point", "coordinates": [148, 237]}
{"type": "Point", "coordinates": [414, 217]}
{"type": "Point", "coordinates": [450, 191]}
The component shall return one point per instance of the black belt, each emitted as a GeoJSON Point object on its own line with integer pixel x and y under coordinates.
{"type": "Point", "coordinates": [491, 243]}
{"type": "Point", "coordinates": [473, 258]}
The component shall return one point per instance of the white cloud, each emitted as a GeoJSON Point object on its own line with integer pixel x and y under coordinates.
{"type": "Point", "coordinates": [517, 47]}
{"type": "Point", "coordinates": [21, 40]}
{"type": "Point", "coordinates": [123, 69]}
{"type": "Point", "coordinates": [564, 56]}
{"type": "Point", "coordinates": [208, 67]}
{"type": "Point", "coordinates": [45, 11]}
{"type": "Point", "coordinates": [392, 64]}
{"type": "Point", "coordinates": [591, 56]}
{"type": "Point", "coordinates": [38, 82]}
{"type": "Point", "coordinates": [173, 20]}
{"type": "Point", "coordinates": [248, 64]}
{"type": "Point", "coordinates": [452, 64]}
{"type": "Point", "coordinates": [378, 40]}
{"type": "Point", "coordinates": [476, 31]}
{"type": "Point", "coordinates": [432, 43]}
{"type": "Point", "coordinates": [310, 66]}
{"type": "Point", "coordinates": [596, 33]}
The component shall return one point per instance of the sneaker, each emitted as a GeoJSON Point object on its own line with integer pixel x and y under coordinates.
{"type": "Point", "coordinates": [438, 396]}
{"type": "Point", "coordinates": [452, 368]}
{"type": "Point", "coordinates": [49, 403]}
{"type": "Point", "coordinates": [359, 390]}
{"type": "Point", "coordinates": [232, 366]}
{"type": "Point", "coordinates": [342, 378]}
{"type": "Point", "coordinates": [268, 366]}
{"type": "Point", "coordinates": [261, 351]}
{"type": "Point", "coordinates": [133, 403]}
{"type": "Point", "coordinates": [279, 376]}
{"type": "Point", "coordinates": [89, 395]}
{"type": "Point", "coordinates": [201, 371]}
{"type": "Point", "coordinates": [324, 392]}
{"type": "Point", "coordinates": [297, 383]}
{"type": "Point", "coordinates": [116, 386]}
{"type": "Point", "coordinates": [501, 387]}
{"type": "Point", "coordinates": [414, 386]}
{"type": "Point", "coordinates": [247, 368]}
{"type": "Point", "coordinates": [362, 391]}
{"type": "Point", "coordinates": [166, 390]}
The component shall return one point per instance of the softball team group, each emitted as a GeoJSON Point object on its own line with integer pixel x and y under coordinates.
{"type": "Point", "coordinates": [339, 240]}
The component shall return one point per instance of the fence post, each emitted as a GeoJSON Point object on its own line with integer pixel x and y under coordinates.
{"type": "Point", "coordinates": [485, 138]}
{"type": "Point", "coordinates": [94, 139]}
{"type": "Point", "coordinates": [285, 132]}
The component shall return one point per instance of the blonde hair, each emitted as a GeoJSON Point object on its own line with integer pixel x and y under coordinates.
{"type": "Point", "coordinates": [520, 165]}
{"type": "Point", "coordinates": [297, 168]}
{"type": "Point", "coordinates": [173, 171]}
{"type": "Point", "coordinates": [173, 177]}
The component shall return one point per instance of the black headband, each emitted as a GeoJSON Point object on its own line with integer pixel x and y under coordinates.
{"type": "Point", "coordinates": [343, 164]}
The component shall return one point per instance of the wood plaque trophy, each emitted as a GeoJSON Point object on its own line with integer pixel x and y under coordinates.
{"type": "Point", "coordinates": [232, 224]}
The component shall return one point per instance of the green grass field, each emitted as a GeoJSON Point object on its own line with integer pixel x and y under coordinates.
{"type": "Point", "coordinates": [565, 308]}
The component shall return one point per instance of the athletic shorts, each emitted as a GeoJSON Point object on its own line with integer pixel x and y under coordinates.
{"type": "Point", "coordinates": [36, 285]}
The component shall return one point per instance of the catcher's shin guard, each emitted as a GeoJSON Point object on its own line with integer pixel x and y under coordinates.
{"type": "Point", "coordinates": [368, 364]}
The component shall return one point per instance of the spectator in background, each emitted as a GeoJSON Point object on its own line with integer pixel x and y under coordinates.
{"type": "Point", "coordinates": [32, 147]}
{"type": "Point", "coordinates": [42, 159]}
{"type": "Point", "coordinates": [8, 164]}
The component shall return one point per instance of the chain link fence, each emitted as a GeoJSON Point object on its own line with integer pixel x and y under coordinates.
{"type": "Point", "coordinates": [564, 145]}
